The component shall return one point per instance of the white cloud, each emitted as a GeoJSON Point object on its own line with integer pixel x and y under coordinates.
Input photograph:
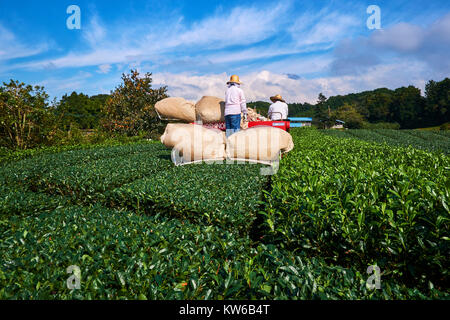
{"type": "Point", "coordinates": [240, 26]}
{"type": "Point", "coordinates": [104, 68]}
{"type": "Point", "coordinates": [76, 82]}
{"type": "Point", "coordinates": [94, 58]}
{"type": "Point", "coordinates": [323, 28]}
{"type": "Point", "coordinates": [250, 54]}
{"type": "Point", "coordinates": [192, 87]}
{"type": "Point", "coordinates": [261, 85]}
{"type": "Point", "coordinates": [94, 33]}
{"type": "Point", "coordinates": [12, 48]}
{"type": "Point", "coordinates": [403, 41]}
{"type": "Point", "coordinates": [402, 37]}
{"type": "Point", "coordinates": [303, 65]}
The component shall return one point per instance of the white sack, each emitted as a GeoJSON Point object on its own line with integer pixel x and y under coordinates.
{"type": "Point", "coordinates": [259, 143]}
{"type": "Point", "coordinates": [176, 108]}
{"type": "Point", "coordinates": [210, 109]}
{"type": "Point", "coordinates": [195, 142]}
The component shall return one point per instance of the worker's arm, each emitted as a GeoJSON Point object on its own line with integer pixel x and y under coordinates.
{"type": "Point", "coordinates": [243, 103]}
{"type": "Point", "coordinates": [269, 112]}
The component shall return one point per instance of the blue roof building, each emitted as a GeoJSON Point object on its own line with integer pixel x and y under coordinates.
{"type": "Point", "coordinates": [297, 122]}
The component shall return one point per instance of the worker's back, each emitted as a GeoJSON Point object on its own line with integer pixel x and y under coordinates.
{"type": "Point", "coordinates": [278, 111]}
{"type": "Point", "coordinates": [234, 100]}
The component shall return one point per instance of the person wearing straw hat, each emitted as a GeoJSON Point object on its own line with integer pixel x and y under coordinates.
{"type": "Point", "coordinates": [278, 110]}
{"type": "Point", "coordinates": [235, 104]}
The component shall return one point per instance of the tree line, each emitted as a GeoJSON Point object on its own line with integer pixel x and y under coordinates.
{"type": "Point", "coordinates": [28, 119]}
{"type": "Point", "coordinates": [404, 107]}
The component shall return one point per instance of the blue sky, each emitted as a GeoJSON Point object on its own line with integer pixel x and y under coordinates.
{"type": "Point", "coordinates": [295, 48]}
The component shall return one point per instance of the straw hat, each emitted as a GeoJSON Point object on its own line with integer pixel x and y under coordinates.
{"type": "Point", "coordinates": [277, 97]}
{"type": "Point", "coordinates": [234, 78]}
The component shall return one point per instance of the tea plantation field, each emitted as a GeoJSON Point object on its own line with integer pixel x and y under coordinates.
{"type": "Point", "coordinates": [139, 228]}
{"type": "Point", "coordinates": [438, 141]}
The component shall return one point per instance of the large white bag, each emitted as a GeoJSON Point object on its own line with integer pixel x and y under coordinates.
{"type": "Point", "coordinates": [176, 108]}
{"type": "Point", "coordinates": [259, 143]}
{"type": "Point", "coordinates": [194, 142]}
{"type": "Point", "coordinates": [210, 109]}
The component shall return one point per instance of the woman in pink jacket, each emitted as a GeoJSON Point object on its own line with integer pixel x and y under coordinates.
{"type": "Point", "coordinates": [235, 104]}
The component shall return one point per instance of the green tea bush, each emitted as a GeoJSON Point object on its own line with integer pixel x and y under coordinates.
{"type": "Point", "coordinates": [433, 141]}
{"type": "Point", "coordinates": [8, 155]}
{"type": "Point", "coordinates": [425, 140]}
{"type": "Point", "coordinates": [122, 255]}
{"type": "Point", "coordinates": [86, 179]}
{"type": "Point", "coordinates": [381, 125]}
{"type": "Point", "coordinates": [443, 133]}
{"type": "Point", "coordinates": [216, 193]}
{"type": "Point", "coordinates": [359, 203]}
{"type": "Point", "coordinates": [418, 139]}
{"type": "Point", "coordinates": [22, 202]}
{"type": "Point", "coordinates": [27, 172]}
{"type": "Point", "coordinates": [140, 228]}
{"type": "Point", "coordinates": [142, 177]}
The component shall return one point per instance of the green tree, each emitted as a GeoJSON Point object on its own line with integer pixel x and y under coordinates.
{"type": "Point", "coordinates": [261, 107]}
{"type": "Point", "coordinates": [81, 110]}
{"type": "Point", "coordinates": [352, 118]}
{"type": "Point", "coordinates": [25, 119]}
{"type": "Point", "coordinates": [130, 109]}
{"type": "Point", "coordinates": [437, 107]}
{"type": "Point", "coordinates": [301, 110]}
{"type": "Point", "coordinates": [321, 99]}
{"type": "Point", "coordinates": [378, 104]}
{"type": "Point", "coordinates": [407, 106]}
{"type": "Point", "coordinates": [323, 118]}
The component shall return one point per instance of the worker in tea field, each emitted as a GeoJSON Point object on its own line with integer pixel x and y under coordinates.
{"type": "Point", "coordinates": [235, 104]}
{"type": "Point", "coordinates": [278, 110]}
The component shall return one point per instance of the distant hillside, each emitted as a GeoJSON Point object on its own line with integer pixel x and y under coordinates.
{"type": "Point", "coordinates": [404, 105]}
{"type": "Point", "coordinates": [295, 109]}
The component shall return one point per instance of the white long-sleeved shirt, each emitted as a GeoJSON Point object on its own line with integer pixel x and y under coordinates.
{"type": "Point", "coordinates": [280, 107]}
{"type": "Point", "coordinates": [235, 102]}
